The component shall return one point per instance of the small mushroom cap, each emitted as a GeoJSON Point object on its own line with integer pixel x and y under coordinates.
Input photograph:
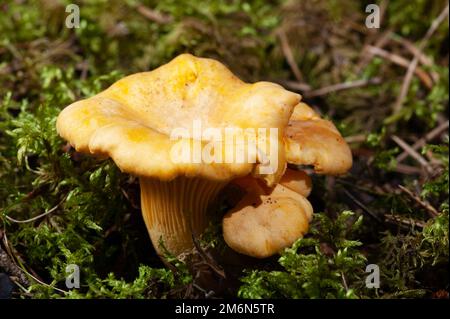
{"type": "Point", "coordinates": [132, 120]}
{"type": "Point", "coordinates": [295, 180]}
{"type": "Point", "coordinates": [311, 140]}
{"type": "Point", "coordinates": [298, 181]}
{"type": "Point", "coordinates": [262, 225]}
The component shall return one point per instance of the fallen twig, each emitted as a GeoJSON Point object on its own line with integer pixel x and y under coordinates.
{"type": "Point", "coordinates": [362, 206]}
{"type": "Point", "coordinates": [366, 55]}
{"type": "Point", "coordinates": [154, 15]}
{"type": "Point", "coordinates": [407, 169]}
{"type": "Point", "coordinates": [341, 86]}
{"type": "Point", "coordinates": [412, 66]}
{"type": "Point", "coordinates": [344, 282]}
{"type": "Point", "coordinates": [287, 51]}
{"type": "Point", "coordinates": [413, 153]}
{"type": "Point", "coordinates": [401, 61]}
{"type": "Point", "coordinates": [356, 138]}
{"type": "Point", "coordinates": [428, 137]}
{"type": "Point", "coordinates": [423, 59]}
{"type": "Point", "coordinates": [296, 86]}
{"type": "Point", "coordinates": [12, 269]}
{"type": "Point", "coordinates": [35, 217]}
{"type": "Point", "coordinates": [206, 258]}
{"type": "Point", "coordinates": [403, 221]}
{"type": "Point", "coordinates": [427, 206]}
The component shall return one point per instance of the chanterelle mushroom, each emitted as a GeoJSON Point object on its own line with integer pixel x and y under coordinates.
{"type": "Point", "coordinates": [311, 140]}
{"type": "Point", "coordinates": [133, 122]}
{"type": "Point", "coordinates": [266, 220]}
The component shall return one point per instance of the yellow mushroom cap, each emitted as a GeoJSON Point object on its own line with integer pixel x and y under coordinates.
{"type": "Point", "coordinates": [132, 120]}
{"type": "Point", "coordinates": [263, 224]}
{"type": "Point", "coordinates": [295, 180]}
{"type": "Point", "coordinates": [298, 181]}
{"type": "Point", "coordinates": [311, 140]}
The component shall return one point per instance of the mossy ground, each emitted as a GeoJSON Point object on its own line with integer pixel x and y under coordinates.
{"type": "Point", "coordinates": [364, 217]}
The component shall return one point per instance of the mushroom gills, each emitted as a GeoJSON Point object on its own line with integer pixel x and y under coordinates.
{"type": "Point", "coordinates": [174, 211]}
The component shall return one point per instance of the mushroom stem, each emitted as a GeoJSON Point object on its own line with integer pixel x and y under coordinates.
{"type": "Point", "coordinates": [175, 210]}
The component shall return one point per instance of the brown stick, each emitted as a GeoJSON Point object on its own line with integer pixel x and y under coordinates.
{"type": "Point", "coordinates": [287, 51]}
{"type": "Point", "coordinates": [296, 86]}
{"type": "Point", "coordinates": [408, 170]}
{"type": "Point", "coordinates": [426, 205]}
{"type": "Point", "coordinates": [356, 138]}
{"type": "Point", "coordinates": [362, 206]}
{"type": "Point", "coordinates": [402, 221]}
{"type": "Point", "coordinates": [412, 66]}
{"type": "Point", "coordinates": [413, 153]}
{"type": "Point", "coordinates": [366, 56]}
{"type": "Point", "coordinates": [341, 86]}
{"type": "Point", "coordinates": [401, 61]}
{"type": "Point", "coordinates": [421, 142]}
{"type": "Point", "coordinates": [423, 59]}
{"type": "Point", "coordinates": [11, 268]}
{"type": "Point", "coordinates": [154, 15]}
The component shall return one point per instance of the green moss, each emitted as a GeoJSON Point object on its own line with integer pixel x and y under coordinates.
{"type": "Point", "coordinates": [94, 218]}
{"type": "Point", "coordinates": [327, 264]}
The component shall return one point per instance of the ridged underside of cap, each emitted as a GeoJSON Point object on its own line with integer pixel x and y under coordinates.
{"type": "Point", "coordinates": [175, 210]}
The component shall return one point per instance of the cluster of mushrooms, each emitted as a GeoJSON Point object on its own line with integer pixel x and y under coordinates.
{"type": "Point", "coordinates": [131, 122]}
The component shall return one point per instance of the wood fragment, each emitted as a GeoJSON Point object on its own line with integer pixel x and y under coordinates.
{"type": "Point", "coordinates": [341, 86]}
{"type": "Point", "coordinates": [11, 268]}
{"type": "Point", "coordinates": [403, 221]}
{"type": "Point", "coordinates": [423, 203]}
{"type": "Point", "coordinates": [35, 217]}
{"type": "Point", "coordinates": [366, 56]}
{"type": "Point", "coordinates": [413, 153]}
{"type": "Point", "coordinates": [296, 86]}
{"type": "Point", "coordinates": [407, 169]}
{"type": "Point", "coordinates": [287, 51]}
{"type": "Point", "coordinates": [356, 138]}
{"type": "Point", "coordinates": [362, 206]}
{"type": "Point", "coordinates": [428, 137]}
{"type": "Point", "coordinates": [154, 15]}
{"type": "Point", "coordinates": [423, 59]}
{"type": "Point", "coordinates": [401, 61]}
{"type": "Point", "coordinates": [412, 66]}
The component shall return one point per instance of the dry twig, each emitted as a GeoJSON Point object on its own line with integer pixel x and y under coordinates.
{"type": "Point", "coordinates": [428, 137]}
{"type": "Point", "coordinates": [341, 86]}
{"type": "Point", "coordinates": [404, 222]}
{"type": "Point", "coordinates": [407, 169]}
{"type": "Point", "coordinates": [296, 86]}
{"type": "Point", "coordinates": [362, 206]}
{"type": "Point", "coordinates": [412, 66]}
{"type": "Point", "coordinates": [401, 61]}
{"type": "Point", "coordinates": [287, 51]}
{"type": "Point", "coordinates": [35, 217]}
{"type": "Point", "coordinates": [413, 153]}
{"type": "Point", "coordinates": [366, 55]}
{"type": "Point", "coordinates": [423, 203]}
{"type": "Point", "coordinates": [356, 138]}
{"type": "Point", "coordinates": [154, 15]}
{"type": "Point", "coordinates": [423, 59]}
{"type": "Point", "coordinates": [12, 269]}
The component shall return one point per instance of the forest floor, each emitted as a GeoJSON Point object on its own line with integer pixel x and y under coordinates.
{"type": "Point", "coordinates": [386, 89]}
